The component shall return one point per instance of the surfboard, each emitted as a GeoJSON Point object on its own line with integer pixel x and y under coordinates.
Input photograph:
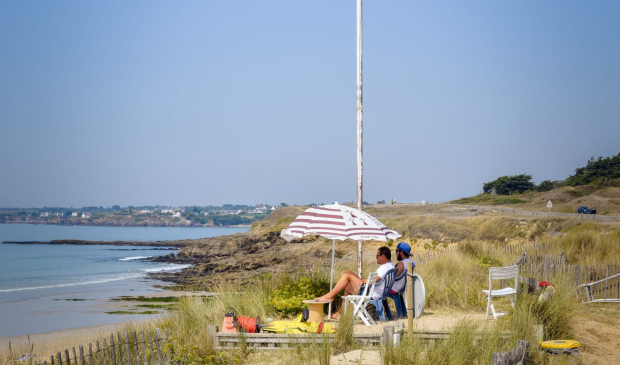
{"type": "Point", "coordinates": [419, 296]}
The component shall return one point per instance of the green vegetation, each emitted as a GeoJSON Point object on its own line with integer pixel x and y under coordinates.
{"type": "Point", "coordinates": [507, 185]}
{"type": "Point", "coordinates": [287, 299]}
{"type": "Point", "coordinates": [158, 306]}
{"type": "Point", "coordinates": [453, 282]}
{"type": "Point", "coordinates": [602, 172]}
{"type": "Point", "coordinates": [146, 299]}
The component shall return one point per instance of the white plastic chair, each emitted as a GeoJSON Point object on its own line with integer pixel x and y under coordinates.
{"type": "Point", "coordinates": [501, 273]}
{"type": "Point", "coordinates": [360, 301]}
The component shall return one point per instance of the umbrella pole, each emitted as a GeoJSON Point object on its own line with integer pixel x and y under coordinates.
{"type": "Point", "coordinates": [360, 258]}
{"type": "Point", "coordinates": [331, 279]}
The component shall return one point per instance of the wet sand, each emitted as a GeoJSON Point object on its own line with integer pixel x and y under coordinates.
{"type": "Point", "coordinates": [47, 343]}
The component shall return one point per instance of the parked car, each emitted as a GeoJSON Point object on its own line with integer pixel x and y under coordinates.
{"type": "Point", "coordinates": [585, 210]}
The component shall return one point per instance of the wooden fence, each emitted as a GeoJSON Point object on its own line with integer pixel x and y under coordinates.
{"type": "Point", "coordinates": [275, 341]}
{"type": "Point", "coordinates": [125, 349]}
{"type": "Point", "coordinates": [532, 213]}
{"type": "Point", "coordinates": [512, 357]}
{"type": "Point", "coordinates": [603, 291]}
{"type": "Point", "coordinates": [472, 210]}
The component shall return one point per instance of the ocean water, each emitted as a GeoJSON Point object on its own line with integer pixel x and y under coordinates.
{"type": "Point", "coordinates": [47, 288]}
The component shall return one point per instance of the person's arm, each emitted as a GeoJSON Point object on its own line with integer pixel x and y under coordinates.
{"type": "Point", "coordinates": [400, 267]}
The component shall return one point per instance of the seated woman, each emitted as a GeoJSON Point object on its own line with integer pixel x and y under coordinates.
{"type": "Point", "coordinates": [351, 283]}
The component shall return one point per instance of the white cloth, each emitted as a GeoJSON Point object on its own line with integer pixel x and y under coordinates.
{"type": "Point", "coordinates": [381, 271]}
{"type": "Point", "coordinates": [399, 285]}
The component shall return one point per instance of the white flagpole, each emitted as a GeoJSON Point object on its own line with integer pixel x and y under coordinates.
{"type": "Point", "coordinates": [360, 256]}
{"type": "Point", "coordinates": [331, 279]}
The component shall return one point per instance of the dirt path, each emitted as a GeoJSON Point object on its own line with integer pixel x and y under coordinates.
{"type": "Point", "coordinates": [598, 332]}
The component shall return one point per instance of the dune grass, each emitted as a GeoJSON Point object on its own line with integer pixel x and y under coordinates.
{"type": "Point", "coordinates": [453, 281]}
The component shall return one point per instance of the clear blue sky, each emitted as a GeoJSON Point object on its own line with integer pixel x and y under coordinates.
{"type": "Point", "coordinates": [246, 102]}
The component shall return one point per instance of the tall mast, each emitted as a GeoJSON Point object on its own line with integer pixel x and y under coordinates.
{"type": "Point", "coordinates": [360, 198]}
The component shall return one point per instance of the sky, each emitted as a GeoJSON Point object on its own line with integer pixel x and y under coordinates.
{"type": "Point", "coordinates": [207, 102]}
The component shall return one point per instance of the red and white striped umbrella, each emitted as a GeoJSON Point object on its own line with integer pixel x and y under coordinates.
{"type": "Point", "coordinates": [338, 222]}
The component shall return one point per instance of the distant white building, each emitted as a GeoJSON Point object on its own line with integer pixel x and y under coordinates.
{"type": "Point", "coordinates": [176, 214]}
{"type": "Point", "coordinates": [74, 214]}
{"type": "Point", "coordinates": [45, 214]}
{"type": "Point", "coordinates": [87, 215]}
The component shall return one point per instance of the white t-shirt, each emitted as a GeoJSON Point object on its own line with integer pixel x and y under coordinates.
{"type": "Point", "coordinates": [381, 271]}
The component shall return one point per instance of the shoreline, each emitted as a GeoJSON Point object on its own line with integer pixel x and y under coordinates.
{"type": "Point", "coordinates": [46, 343]}
{"type": "Point", "coordinates": [131, 225]}
{"type": "Point", "coordinates": [175, 243]}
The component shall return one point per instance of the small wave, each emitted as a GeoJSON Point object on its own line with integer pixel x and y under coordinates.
{"type": "Point", "coordinates": [131, 258]}
{"type": "Point", "coordinates": [124, 277]}
{"type": "Point", "coordinates": [168, 268]}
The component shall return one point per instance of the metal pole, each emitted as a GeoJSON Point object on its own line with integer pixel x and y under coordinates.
{"type": "Point", "coordinates": [331, 279]}
{"type": "Point", "coordinates": [360, 256]}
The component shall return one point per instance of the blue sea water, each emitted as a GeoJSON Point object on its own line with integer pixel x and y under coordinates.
{"type": "Point", "coordinates": [47, 288]}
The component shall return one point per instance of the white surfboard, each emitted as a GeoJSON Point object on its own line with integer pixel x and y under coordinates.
{"type": "Point", "coordinates": [419, 296]}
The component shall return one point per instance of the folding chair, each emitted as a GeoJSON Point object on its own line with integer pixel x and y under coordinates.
{"type": "Point", "coordinates": [501, 273]}
{"type": "Point", "coordinates": [388, 281]}
{"type": "Point", "coordinates": [399, 300]}
{"type": "Point", "coordinates": [360, 301]}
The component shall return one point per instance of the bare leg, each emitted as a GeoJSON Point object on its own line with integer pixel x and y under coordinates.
{"type": "Point", "coordinates": [349, 282]}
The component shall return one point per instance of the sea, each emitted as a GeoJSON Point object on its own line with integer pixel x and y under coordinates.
{"type": "Point", "coordinates": [46, 288]}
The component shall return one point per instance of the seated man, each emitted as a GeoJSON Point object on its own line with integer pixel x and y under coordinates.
{"type": "Point", "coordinates": [351, 283]}
{"type": "Point", "coordinates": [403, 252]}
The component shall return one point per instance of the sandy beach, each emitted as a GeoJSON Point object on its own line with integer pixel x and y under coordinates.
{"type": "Point", "coordinates": [47, 343]}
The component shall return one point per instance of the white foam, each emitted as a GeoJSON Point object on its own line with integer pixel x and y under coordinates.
{"type": "Point", "coordinates": [168, 268]}
{"type": "Point", "coordinates": [96, 281]}
{"type": "Point", "coordinates": [131, 258]}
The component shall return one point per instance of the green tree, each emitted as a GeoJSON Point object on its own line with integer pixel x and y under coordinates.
{"type": "Point", "coordinates": [602, 171]}
{"type": "Point", "coordinates": [506, 185]}
{"type": "Point", "coordinates": [547, 185]}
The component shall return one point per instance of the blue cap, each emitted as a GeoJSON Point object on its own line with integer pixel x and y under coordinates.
{"type": "Point", "coordinates": [404, 246]}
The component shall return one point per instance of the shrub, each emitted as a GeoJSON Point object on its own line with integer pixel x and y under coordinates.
{"type": "Point", "coordinates": [287, 298]}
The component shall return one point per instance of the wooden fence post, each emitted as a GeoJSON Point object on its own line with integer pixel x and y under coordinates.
{"type": "Point", "coordinates": [127, 352]}
{"type": "Point", "coordinates": [135, 347]}
{"type": "Point", "coordinates": [90, 354]}
{"type": "Point", "coordinates": [388, 336]}
{"type": "Point", "coordinates": [82, 360]}
{"type": "Point", "coordinates": [212, 333]}
{"type": "Point", "coordinates": [112, 349]}
{"type": "Point", "coordinates": [157, 345]}
{"type": "Point", "coordinates": [145, 362]}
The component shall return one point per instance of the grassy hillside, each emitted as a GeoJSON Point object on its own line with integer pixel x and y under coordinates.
{"type": "Point", "coordinates": [606, 200]}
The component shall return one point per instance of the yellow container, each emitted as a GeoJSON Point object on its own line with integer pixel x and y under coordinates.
{"type": "Point", "coordinates": [562, 352]}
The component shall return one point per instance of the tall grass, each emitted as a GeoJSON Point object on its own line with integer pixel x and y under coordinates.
{"type": "Point", "coordinates": [453, 280]}
{"type": "Point", "coordinates": [589, 243]}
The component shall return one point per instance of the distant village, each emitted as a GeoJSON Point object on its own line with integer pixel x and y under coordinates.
{"type": "Point", "coordinates": [226, 215]}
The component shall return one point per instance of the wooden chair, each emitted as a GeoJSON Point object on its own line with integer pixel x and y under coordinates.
{"type": "Point", "coordinates": [501, 273]}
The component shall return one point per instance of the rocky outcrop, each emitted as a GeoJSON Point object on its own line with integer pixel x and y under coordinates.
{"type": "Point", "coordinates": [243, 256]}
